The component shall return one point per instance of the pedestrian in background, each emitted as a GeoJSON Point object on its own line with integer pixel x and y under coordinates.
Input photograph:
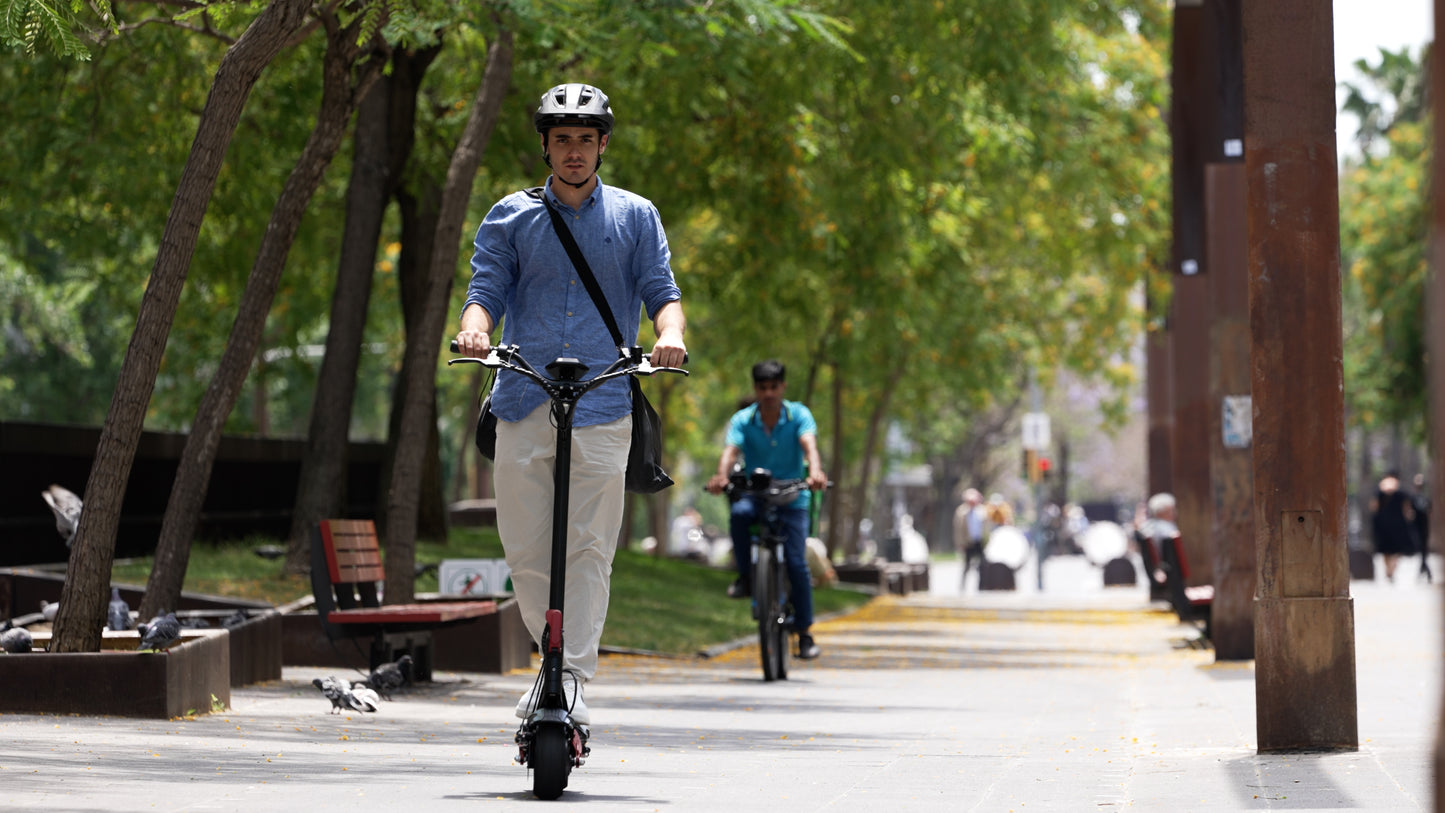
{"type": "Point", "coordinates": [1393, 522]}
{"type": "Point", "coordinates": [1421, 502]}
{"type": "Point", "coordinates": [970, 522]}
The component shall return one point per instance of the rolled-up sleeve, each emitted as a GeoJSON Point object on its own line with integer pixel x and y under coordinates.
{"type": "Point", "coordinates": [494, 262]}
{"type": "Point", "coordinates": [653, 262]}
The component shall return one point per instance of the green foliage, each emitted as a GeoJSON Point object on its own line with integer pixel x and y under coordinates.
{"type": "Point", "coordinates": [1384, 230]}
{"type": "Point", "coordinates": [33, 26]}
{"type": "Point", "coordinates": [915, 202]}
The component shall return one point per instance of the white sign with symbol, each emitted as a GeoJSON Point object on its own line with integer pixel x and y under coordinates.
{"type": "Point", "coordinates": [1238, 421]}
{"type": "Point", "coordinates": [473, 577]}
{"type": "Point", "coordinates": [1036, 431]}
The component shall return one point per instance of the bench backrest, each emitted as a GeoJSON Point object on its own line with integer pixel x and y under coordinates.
{"type": "Point", "coordinates": [1176, 542]}
{"type": "Point", "coordinates": [345, 565]}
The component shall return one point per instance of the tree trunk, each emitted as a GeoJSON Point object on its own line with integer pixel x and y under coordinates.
{"type": "Point", "coordinates": [657, 519]}
{"type": "Point", "coordinates": [839, 534]}
{"type": "Point", "coordinates": [383, 140]}
{"type": "Point", "coordinates": [419, 216]}
{"type": "Point", "coordinates": [422, 345]}
{"type": "Point", "coordinates": [83, 598]}
{"type": "Point", "coordinates": [462, 483]}
{"type": "Point", "coordinates": [340, 91]}
{"type": "Point", "coordinates": [870, 445]}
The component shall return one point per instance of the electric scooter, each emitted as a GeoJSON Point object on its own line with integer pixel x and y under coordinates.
{"type": "Point", "coordinates": [549, 741]}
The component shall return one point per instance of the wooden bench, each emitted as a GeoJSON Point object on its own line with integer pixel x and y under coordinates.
{"type": "Point", "coordinates": [345, 568]}
{"type": "Point", "coordinates": [1191, 603]}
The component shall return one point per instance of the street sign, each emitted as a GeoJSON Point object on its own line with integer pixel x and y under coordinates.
{"type": "Point", "coordinates": [1036, 431]}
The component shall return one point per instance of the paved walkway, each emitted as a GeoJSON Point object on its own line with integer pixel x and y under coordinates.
{"type": "Point", "coordinates": [1079, 698]}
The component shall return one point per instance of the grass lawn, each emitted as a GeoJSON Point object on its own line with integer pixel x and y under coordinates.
{"type": "Point", "coordinates": [658, 604]}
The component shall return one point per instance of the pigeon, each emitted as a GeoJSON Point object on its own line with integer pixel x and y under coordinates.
{"type": "Point", "coordinates": [343, 697]}
{"type": "Point", "coordinates": [269, 551]}
{"type": "Point", "coordinates": [389, 677]}
{"type": "Point", "coordinates": [161, 632]}
{"type": "Point", "coordinates": [48, 609]}
{"type": "Point", "coordinates": [66, 507]}
{"type": "Point", "coordinates": [15, 640]}
{"type": "Point", "coordinates": [195, 622]}
{"type": "Point", "coordinates": [235, 619]}
{"type": "Point", "coordinates": [335, 691]}
{"type": "Point", "coordinates": [366, 697]}
{"type": "Point", "coordinates": [118, 615]}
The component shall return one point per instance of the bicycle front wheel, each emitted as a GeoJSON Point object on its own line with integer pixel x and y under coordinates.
{"type": "Point", "coordinates": [772, 638]}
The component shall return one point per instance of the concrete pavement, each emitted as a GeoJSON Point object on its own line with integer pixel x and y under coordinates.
{"type": "Point", "coordinates": [1077, 698]}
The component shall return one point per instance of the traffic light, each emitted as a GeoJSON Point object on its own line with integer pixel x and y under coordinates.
{"type": "Point", "coordinates": [1046, 467]}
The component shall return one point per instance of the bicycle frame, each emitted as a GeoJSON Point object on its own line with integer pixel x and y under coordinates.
{"type": "Point", "coordinates": [770, 579]}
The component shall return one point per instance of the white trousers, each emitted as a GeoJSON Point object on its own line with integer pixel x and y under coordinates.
{"type": "Point", "coordinates": [525, 461]}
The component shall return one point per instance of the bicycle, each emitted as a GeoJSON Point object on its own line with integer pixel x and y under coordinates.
{"type": "Point", "coordinates": [548, 741]}
{"type": "Point", "coordinates": [771, 605]}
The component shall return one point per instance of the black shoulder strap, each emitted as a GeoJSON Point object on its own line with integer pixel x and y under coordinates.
{"type": "Point", "coordinates": [583, 269]}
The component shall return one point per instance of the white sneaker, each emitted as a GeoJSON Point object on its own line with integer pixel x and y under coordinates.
{"type": "Point", "coordinates": [571, 688]}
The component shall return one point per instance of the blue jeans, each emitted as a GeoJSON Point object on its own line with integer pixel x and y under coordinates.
{"type": "Point", "coordinates": [747, 512]}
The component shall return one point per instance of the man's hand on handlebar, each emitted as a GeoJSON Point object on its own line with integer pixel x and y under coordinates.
{"type": "Point", "coordinates": [669, 350]}
{"type": "Point", "coordinates": [473, 343]}
{"type": "Point", "coordinates": [817, 480]}
{"type": "Point", "coordinates": [716, 483]}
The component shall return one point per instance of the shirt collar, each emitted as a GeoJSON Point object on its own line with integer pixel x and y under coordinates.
{"type": "Point", "coordinates": [592, 199]}
{"type": "Point", "coordinates": [784, 416]}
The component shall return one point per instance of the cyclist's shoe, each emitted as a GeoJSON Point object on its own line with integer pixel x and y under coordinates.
{"type": "Point", "coordinates": [807, 650]}
{"type": "Point", "coordinates": [573, 692]}
{"type": "Point", "coordinates": [739, 589]}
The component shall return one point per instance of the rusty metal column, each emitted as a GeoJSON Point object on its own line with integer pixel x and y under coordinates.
{"type": "Point", "coordinates": [1305, 694]}
{"type": "Point", "coordinates": [1161, 405]}
{"type": "Point", "coordinates": [1231, 466]}
{"type": "Point", "coordinates": [1189, 308]}
{"type": "Point", "coordinates": [1231, 471]}
{"type": "Point", "coordinates": [1435, 336]}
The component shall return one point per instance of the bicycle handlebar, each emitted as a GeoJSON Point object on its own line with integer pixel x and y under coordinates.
{"type": "Point", "coordinates": [776, 491]}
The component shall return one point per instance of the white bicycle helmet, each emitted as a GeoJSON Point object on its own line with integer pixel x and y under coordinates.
{"type": "Point", "coordinates": [573, 105]}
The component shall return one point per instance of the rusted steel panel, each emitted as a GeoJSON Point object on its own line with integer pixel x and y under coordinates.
{"type": "Point", "coordinates": [1161, 410]}
{"type": "Point", "coordinates": [1190, 449]}
{"type": "Point", "coordinates": [1304, 633]}
{"type": "Point", "coordinates": [1231, 468]}
{"type": "Point", "coordinates": [1189, 308]}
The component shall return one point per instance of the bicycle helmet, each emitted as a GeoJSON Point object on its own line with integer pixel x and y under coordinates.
{"type": "Point", "coordinates": [573, 105]}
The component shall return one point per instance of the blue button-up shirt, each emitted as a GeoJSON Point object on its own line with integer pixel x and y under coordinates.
{"type": "Point", "coordinates": [780, 450]}
{"type": "Point", "coordinates": [522, 275]}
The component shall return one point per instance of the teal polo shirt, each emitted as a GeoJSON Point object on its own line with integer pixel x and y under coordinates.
{"type": "Point", "coordinates": [779, 451]}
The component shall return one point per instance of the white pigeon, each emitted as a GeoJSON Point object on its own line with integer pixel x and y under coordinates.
{"type": "Point", "coordinates": [48, 609]}
{"type": "Point", "coordinates": [118, 614]}
{"type": "Point", "coordinates": [365, 697]}
{"type": "Point", "coordinates": [66, 506]}
{"type": "Point", "coordinates": [343, 696]}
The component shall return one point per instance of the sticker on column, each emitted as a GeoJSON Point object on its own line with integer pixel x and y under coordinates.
{"type": "Point", "coordinates": [1238, 423]}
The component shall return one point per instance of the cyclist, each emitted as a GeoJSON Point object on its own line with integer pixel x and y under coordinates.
{"type": "Point", "coordinates": [781, 436]}
{"type": "Point", "coordinates": [521, 271]}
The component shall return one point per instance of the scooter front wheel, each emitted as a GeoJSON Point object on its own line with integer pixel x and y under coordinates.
{"type": "Point", "coordinates": [551, 761]}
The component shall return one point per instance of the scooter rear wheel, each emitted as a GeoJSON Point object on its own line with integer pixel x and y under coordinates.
{"type": "Point", "coordinates": [551, 761]}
